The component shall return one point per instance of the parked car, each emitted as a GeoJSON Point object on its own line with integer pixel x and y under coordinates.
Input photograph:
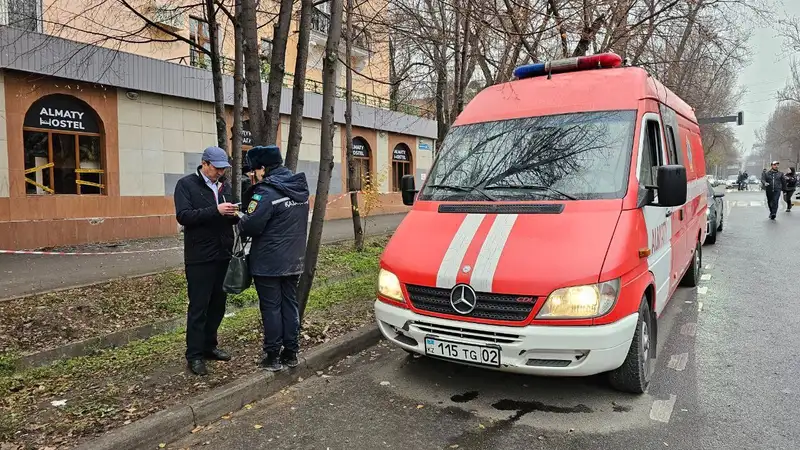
{"type": "Point", "coordinates": [715, 214]}
{"type": "Point", "coordinates": [732, 181]}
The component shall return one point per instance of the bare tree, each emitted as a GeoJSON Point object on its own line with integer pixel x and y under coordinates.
{"type": "Point", "coordinates": [277, 70]}
{"type": "Point", "coordinates": [238, 94]}
{"type": "Point", "coordinates": [252, 71]}
{"type": "Point", "coordinates": [330, 61]}
{"type": "Point", "coordinates": [298, 87]}
{"type": "Point", "coordinates": [352, 183]}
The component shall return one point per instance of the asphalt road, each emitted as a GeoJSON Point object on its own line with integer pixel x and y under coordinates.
{"type": "Point", "coordinates": [29, 274]}
{"type": "Point", "coordinates": [726, 378]}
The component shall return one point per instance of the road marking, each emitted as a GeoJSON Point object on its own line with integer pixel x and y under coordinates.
{"type": "Point", "coordinates": [742, 203]}
{"type": "Point", "coordinates": [699, 306]}
{"type": "Point", "coordinates": [689, 329]}
{"type": "Point", "coordinates": [709, 266]}
{"type": "Point", "coordinates": [661, 410]}
{"type": "Point", "coordinates": [678, 362]}
{"type": "Point", "coordinates": [756, 204]}
{"type": "Point", "coordinates": [702, 290]}
{"type": "Point", "coordinates": [705, 277]}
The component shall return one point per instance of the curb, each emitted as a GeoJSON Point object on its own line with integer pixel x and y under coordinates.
{"type": "Point", "coordinates": [170, 424]}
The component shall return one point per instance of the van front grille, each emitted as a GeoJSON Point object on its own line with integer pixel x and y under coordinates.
{"type": "Point", "coordinates": [509, 308]}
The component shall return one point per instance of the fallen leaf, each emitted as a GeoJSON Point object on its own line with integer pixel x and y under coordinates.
{"type": "Point", "coordinates": [257, 427]}
{"type": "Point", "coordinates": [248, 406]}
{"type": "Point", "coordinates": [226, 417]}
{"type": "Point", "coordinates": [454, 446]}
{"type": "Point", "coordinates": [420, 406]}
{"type": "Point", "coordinates": [385, 383]}
{"type": "Point", "coordinates": [58, 403]}
{"type": "Point", "coordinates": [162, 445]}
{"type": "Point", "coordinates": [481, 426]}
{"type": "Point", "coordinates": [196, 429]}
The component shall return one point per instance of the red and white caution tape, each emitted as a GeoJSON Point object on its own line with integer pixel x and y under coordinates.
{"type": "Point", "coordinates": [124, 252]}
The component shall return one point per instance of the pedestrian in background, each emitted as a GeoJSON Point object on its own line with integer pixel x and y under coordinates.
{"type": "Point", "coordinates": [772, 181]}
{"type": "Point", "coordinates": [789, 186]}
{"type": "Point", "coordinates": [202, 206]}
{"type": "Point", "coordinates": [276, 219]}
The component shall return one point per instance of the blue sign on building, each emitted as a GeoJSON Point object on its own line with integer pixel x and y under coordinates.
{"type": "Point", "coordinates": [424, 146]}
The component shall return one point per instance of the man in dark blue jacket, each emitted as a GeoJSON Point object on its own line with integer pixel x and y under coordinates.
{"type": "Point", "coordinates": [202, 206]}
{"type": "Point", "coordinates": [277, 219]}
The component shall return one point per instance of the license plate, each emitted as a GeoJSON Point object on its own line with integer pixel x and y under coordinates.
{"type": "Point", "coordinates": [475, 354]}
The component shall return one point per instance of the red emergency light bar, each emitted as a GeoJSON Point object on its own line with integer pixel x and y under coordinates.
{"type": "Point", "coordinates": [599, 61]}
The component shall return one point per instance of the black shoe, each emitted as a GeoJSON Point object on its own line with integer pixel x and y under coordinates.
{"type": "Point", "coordinates": [772, 217]}
{"type": "Point", "coordinates": [218, 355]}
{"type": "Point", "coordinates": [272, 363]}
{"type": "Point", "coordinates": [198, 367]}
{"type": "Point", "coordinates": [289, 359]}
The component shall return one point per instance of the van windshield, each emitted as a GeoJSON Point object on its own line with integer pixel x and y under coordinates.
{"type": "Point", "coordinates": [578, 156]}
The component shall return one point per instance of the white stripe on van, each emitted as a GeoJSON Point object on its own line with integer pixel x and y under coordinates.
{"type": "Point", "coordinates": [451, 263]}
{"type": "Point", "coordinates": [486, 264]}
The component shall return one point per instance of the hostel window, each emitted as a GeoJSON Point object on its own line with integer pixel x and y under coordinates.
{"type": "Point", "coordinates": [401, 165]}
{"type": "Point", "coordinates": [63, 147]}
{"type": "Point", "coordinates": [200, 36]}
{"type": "Point", "coordinates": [361, 161]}
{"type": "Point", "coordinates": [21, 14]}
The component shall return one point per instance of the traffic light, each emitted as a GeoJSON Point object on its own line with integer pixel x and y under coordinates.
{"type": "Point", "coordinates": [740, 118]}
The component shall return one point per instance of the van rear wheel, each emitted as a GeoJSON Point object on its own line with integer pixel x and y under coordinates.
{"type": "Point", "coordinates": [692, 276]}
{"type": "Point", "coordinates": [634, 374]}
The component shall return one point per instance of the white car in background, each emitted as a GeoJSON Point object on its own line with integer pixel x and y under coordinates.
{"type": "Point", "coordinates": [730, 183]}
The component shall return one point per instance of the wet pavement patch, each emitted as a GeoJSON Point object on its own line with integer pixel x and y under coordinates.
{"type": "Point", "coordinates": [525, 407]}
{"type": "Point", "coordinates": [465, 397]}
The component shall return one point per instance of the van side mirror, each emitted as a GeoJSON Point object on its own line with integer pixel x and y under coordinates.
{"type": "Point", "coordinates": [672, 185]}
{"type": "Point", "coordinates": [408, 189]}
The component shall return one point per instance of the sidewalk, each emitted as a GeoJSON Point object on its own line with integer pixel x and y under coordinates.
{"type": "Point", "coordinates": [29, 274]}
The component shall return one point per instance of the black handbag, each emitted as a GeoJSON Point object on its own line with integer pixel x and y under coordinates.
{"type": "Point", "coordinates": [238, 277]}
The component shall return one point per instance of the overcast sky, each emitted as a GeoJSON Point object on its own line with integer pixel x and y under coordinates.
{"type": "Point", "coordinates": [766, 74]}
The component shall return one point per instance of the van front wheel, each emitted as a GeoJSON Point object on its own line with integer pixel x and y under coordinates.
{"type": "Point", "coordinates": [634, 374]}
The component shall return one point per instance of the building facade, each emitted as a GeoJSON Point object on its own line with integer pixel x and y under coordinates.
{"type": "Point", "coordinates": [93, 140]}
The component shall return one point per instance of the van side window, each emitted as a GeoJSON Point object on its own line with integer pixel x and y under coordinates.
{"type": "Point", "coordinates": [651, 154]}
{"type": "Point", "coordinates": [673, 149]}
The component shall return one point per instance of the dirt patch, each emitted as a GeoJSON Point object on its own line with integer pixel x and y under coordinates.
{"type": "Point", "coordinates": [46, 321]}
{"type": "Point", "coordinates": [73, 400]}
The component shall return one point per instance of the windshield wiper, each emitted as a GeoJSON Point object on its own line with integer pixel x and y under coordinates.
{"type": "Point", "coordinates": [533, 188]}
{"type": "Point", "coordinates": [467, 190]}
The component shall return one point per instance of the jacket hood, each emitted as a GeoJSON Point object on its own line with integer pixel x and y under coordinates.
{"type": "Point", "coordinates": [292, 185]}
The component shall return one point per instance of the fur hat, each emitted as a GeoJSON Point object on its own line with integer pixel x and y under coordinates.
{"type": "Point", "coordinates": [264, 156]}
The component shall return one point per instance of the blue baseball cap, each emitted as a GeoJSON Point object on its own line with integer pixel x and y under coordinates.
{"type": "Point", "coordinates": [217, 157]}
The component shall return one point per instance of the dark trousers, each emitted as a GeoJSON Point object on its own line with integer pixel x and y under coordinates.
{"type": "Point", "coordinates": [773, 198]}
{"type": "Point", "coordinates": [787, 197]}
{"type": "Point", "coordinates": [277, 299]}
{"type": "Point", "coordinates": [206, 306]}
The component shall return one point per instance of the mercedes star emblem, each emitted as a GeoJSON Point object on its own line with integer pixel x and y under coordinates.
{"type": "Point", "coordinates": [463, 299]}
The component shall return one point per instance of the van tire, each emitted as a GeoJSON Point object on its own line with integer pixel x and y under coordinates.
{"type": "Point", "coordinates": [692, 276]}
{"type": "Point", "coordinates": [634, 374]}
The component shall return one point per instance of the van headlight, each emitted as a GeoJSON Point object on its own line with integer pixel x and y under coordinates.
{"type": "Point", "coordinates": [580, 302]}
{"type": "Point", "coordinates": [389, 286]}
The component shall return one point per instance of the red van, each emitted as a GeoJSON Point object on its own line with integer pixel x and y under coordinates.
{"type": "Point", "coordinates": [562, 212]}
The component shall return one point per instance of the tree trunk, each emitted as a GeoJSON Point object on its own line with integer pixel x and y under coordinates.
{"type": "Point", "coordinates": [216, 75]}
{"type": "Point", "coordinates": [298, 88]}
{"type": "Point", "coordinates": [394, 83]}
{"type": "Point", "coordinates": [352, 183]}
{"type": "Point", "coordinates": [252, 70]}
{"type": "Point", "coordinates": [238, 94]}
{"type": "Point", "coordinates": [326, 154]}
{"type": "Point", "coordinates": [277, 70]}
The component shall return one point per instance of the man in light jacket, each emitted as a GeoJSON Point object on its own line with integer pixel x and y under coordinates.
{"type": "Point", "coordinates": [202, 206]}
